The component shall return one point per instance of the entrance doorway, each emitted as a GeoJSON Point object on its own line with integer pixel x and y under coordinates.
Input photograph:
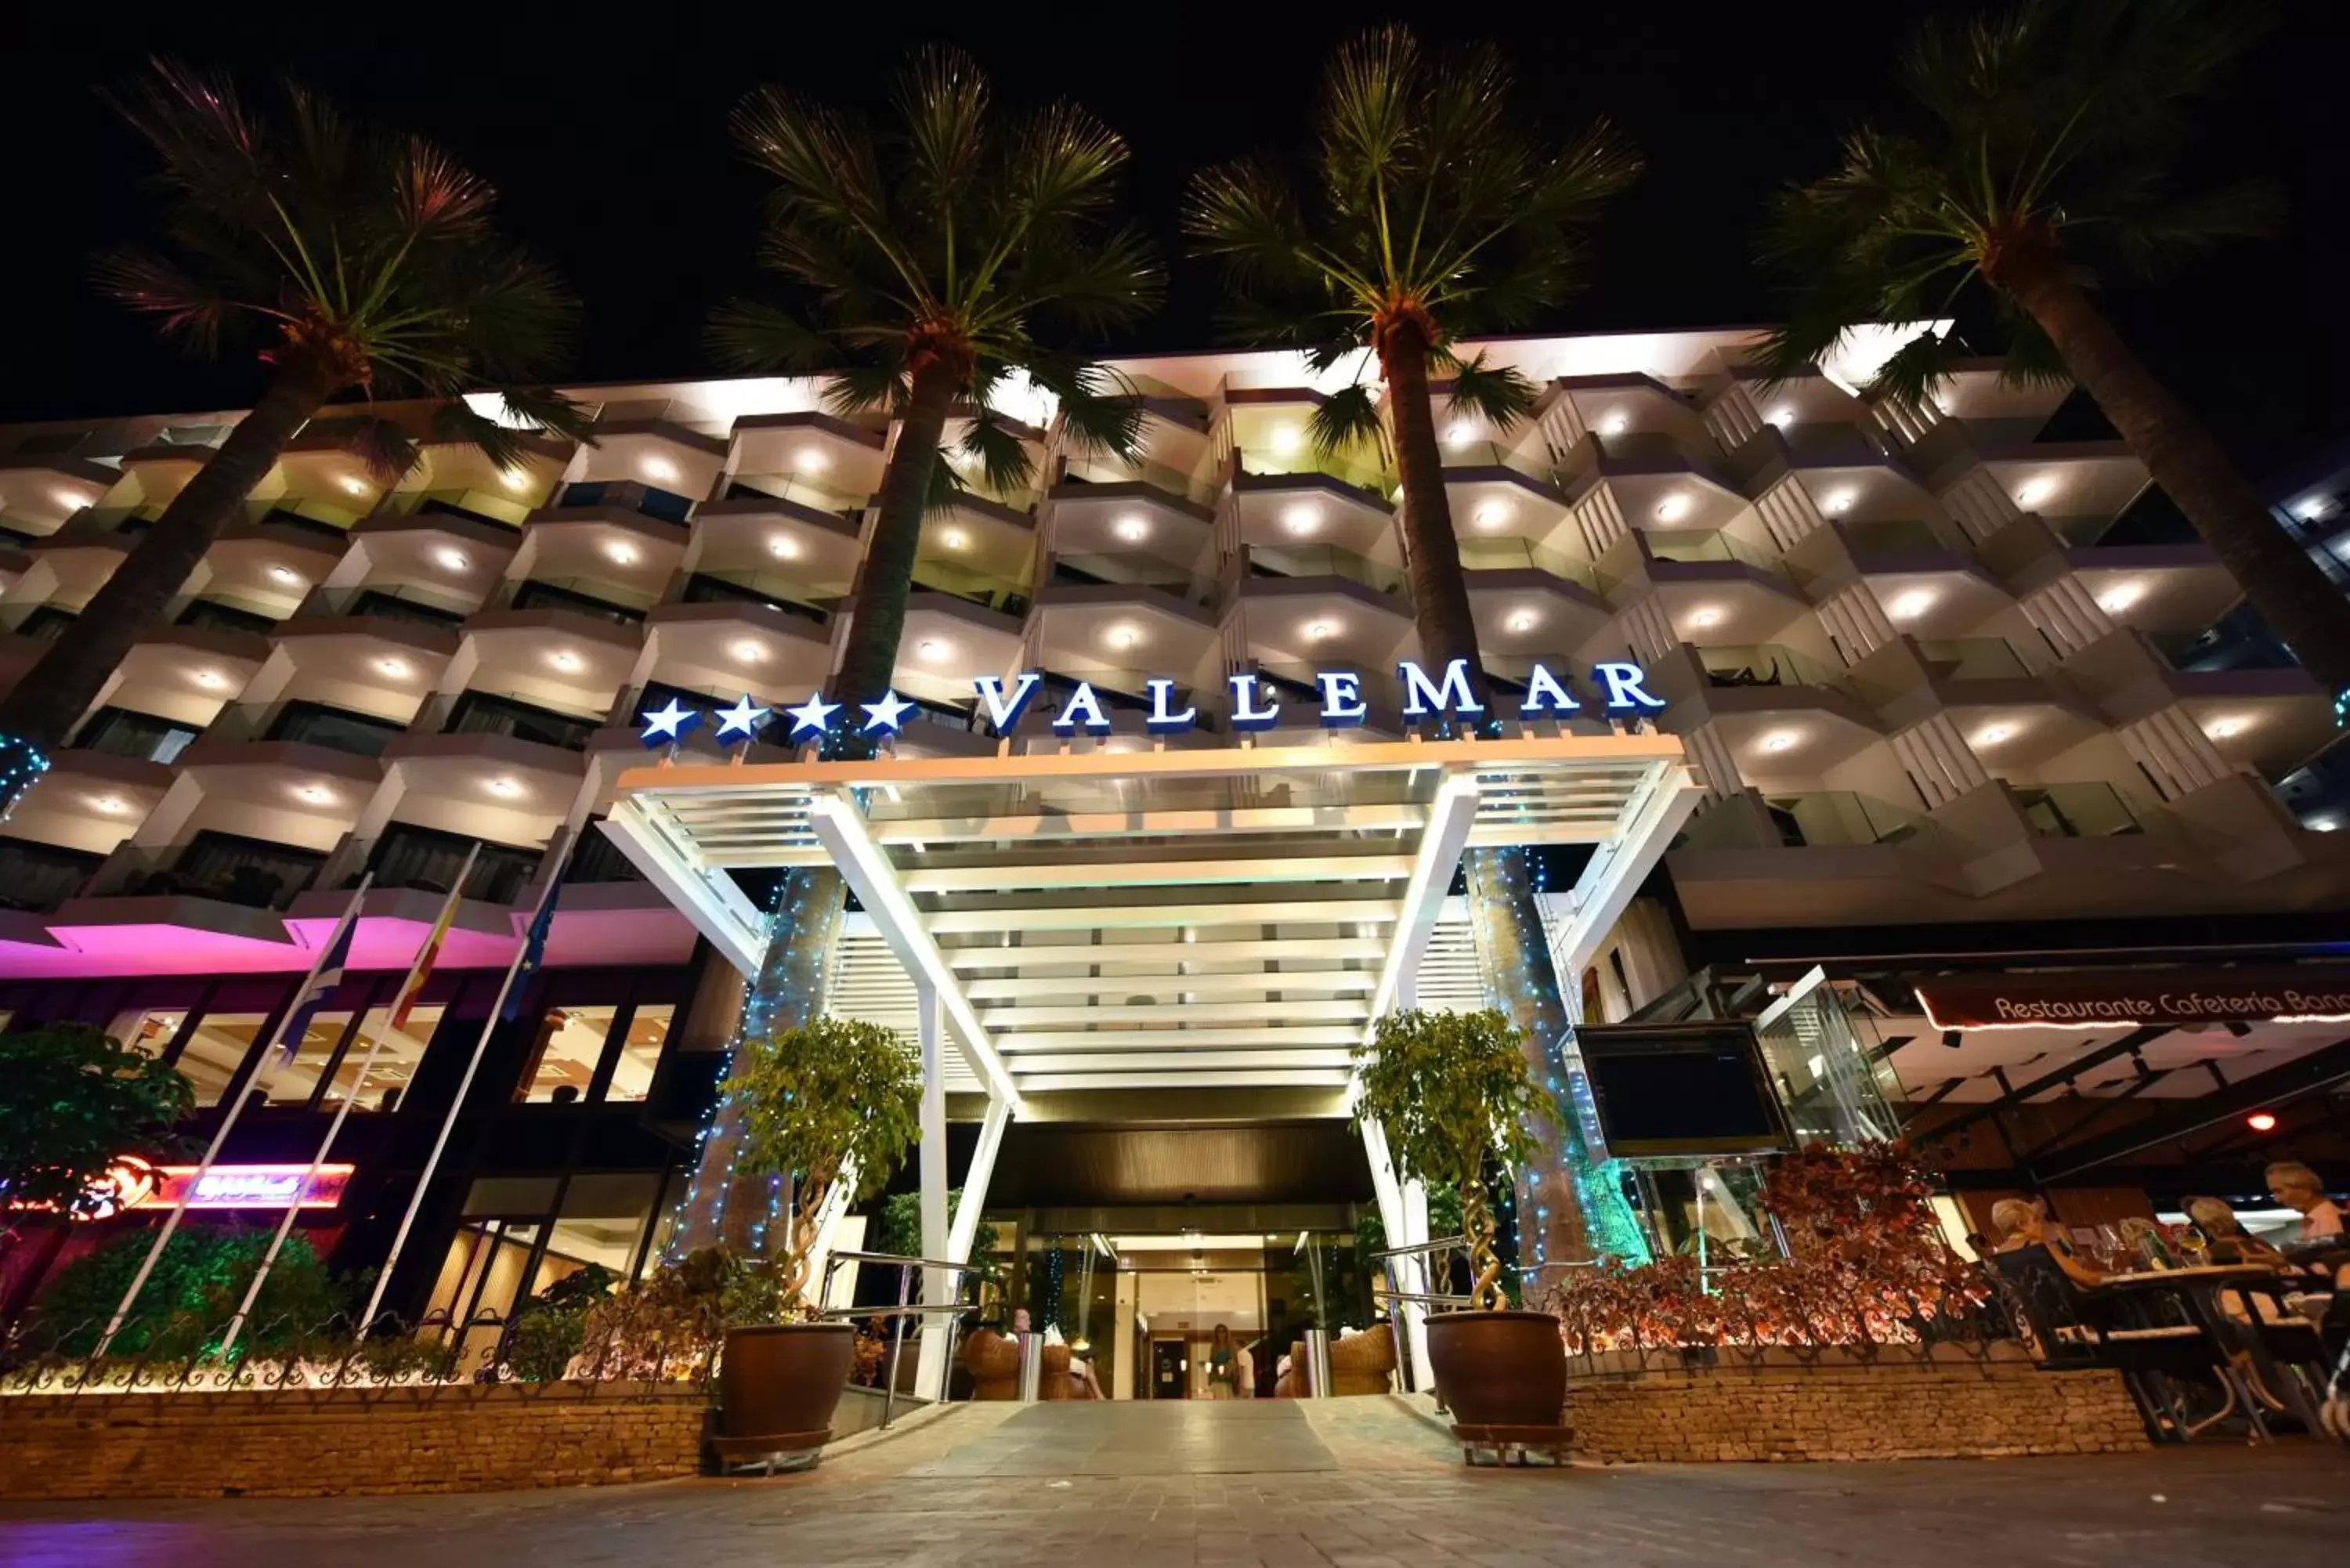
{"type": "Point", "coordinates": [1170, 1367]}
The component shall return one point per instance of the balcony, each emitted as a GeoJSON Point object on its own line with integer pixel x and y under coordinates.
{"type": "Point", "coordinates": [2238, 640]}
{"type": "Point", "coordinates": [2083, 810]}
{"type": "Point", "coordinates": [481, 506]}
{"type": "Point", "coordinates": [1362, 472]}
{"type": "Point", "coordinates": [778, 590]}
{"type": "Point", "coordinates": [394, 601]}
{"type": "Point", "coordinates": [226, 867]}
{"type": "Point", "coordinates": [1086, 478]}
{"type": "Point", "coordinates": [214, 614]}
{"type": "Point", "coordinates": [1134, 571]}
{"type": "Point", "coordinates": [1765, 664]}
{"type": "Point", "coordinates": [1976, 659]}
{"type": "Point", "coordinates": [1518, 555]}
{"type": "Point", "coordinates": [1802, 821]}
{"type": "Point", "coordinates": [493, 713]}
{"type": "Point", "coordinates": [316, 723]}
{"type": "Point", "coordinates": [651, 500]}
{"type": "Point", "coordinates": [38, 878]}
{"type": "Point", "coordinates": [571, 594]}
{"type": "Point", "coordinates": [124, 733]}
{"type": "Point", "coordinates": [428, 860]}
{"type": "Point", "coordinates": [1003, 594]}
{"type": "Point", "coordinates": [1309, 561]}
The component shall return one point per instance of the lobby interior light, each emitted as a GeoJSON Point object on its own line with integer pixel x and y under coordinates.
{"type": "Point", "coordinates": [2261, 1121]}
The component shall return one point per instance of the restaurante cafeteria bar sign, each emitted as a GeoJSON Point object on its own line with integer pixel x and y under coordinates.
{"type": "Point", "coordinates": [2275, 993]}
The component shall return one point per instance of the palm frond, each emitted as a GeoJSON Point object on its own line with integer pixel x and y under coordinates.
{"type": "Point", "coordinates": [1501, 394]}
{"type": "Point", "coordinates": [1100, 413]}
{"type": "Point", "coordinates": [754, 335]}
{"type": "Point", "coordinates": [1002, 456]}
{"type": "Point", "coordinates": [1347, 421]}
{"type": "Point", "coordinates": [389, 453]}
{"type": "Point", "coordinates": [186, 308]}
{"type": "Point", "coordinates": [860, 389]}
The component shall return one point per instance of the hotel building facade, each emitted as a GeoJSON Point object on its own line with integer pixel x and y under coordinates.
{"type": "Point", "coordinates": [1943, 713]}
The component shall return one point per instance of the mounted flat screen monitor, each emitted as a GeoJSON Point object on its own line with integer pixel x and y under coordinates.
{"type": "Point", "coordinates": [1686, 1090]}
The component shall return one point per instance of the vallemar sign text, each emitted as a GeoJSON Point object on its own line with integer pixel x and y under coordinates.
{"type": "Point", "coordinates": [1621, 689]}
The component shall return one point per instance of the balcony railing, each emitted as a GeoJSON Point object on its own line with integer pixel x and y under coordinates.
{"type": "Point", "coordinates": [1765, 664]}
{"type": "Point", "coordinates": [428, 860]}
{"type": "Point", "coordinates": [40, 876]}
{"type": "Point", "coordinates": [776, 590]}
{"type": "Point", "coordinates": [2082, 810]}
{"type": "Point", "coordinates": [495, 714]}
{"type": "Point", "coordinates": [1323, 561]}
{"type": "Point", "coordinates": [1135, 571]}
{"type": "Point", "coordinates": [2238, 640]}
{"type": "Point", "coordinates": [1361, 471]}
{"type": "Point", "coordinates": [797, 489]}
{"type": "Point", "coordinates": [1974, 658]}
{"type": "Point", "coordinates": [1804, 820]}
{"type": "Point", "coordinates": [651, 500]}
{"type": "Point", "coordinates": [583, 595]}
{"type": "Point", "coordinates": [227, 868]}
{"type": "Point", "coordinates": [1087, 470]}
{"type": "Point", "coordinates": [126, 732]}
{"type": "Point", "coordinates": [1898, 537]}
{"type": "Point", "coordinates": [972, 587]}
{"type": "Point", "coordinates": [1492, 454]}
{"type": "Point", "coordinates": [215, 614]}
{"type": "Point", "coordinates": [1690, 546]}
{"type": "Point", "coordinates": [1515, 555]}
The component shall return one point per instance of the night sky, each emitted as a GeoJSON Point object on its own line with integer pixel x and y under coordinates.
{"type": "Point", "coordinates": [604, 127]}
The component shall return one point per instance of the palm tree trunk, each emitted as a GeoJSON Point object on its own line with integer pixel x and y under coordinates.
{"type": "Point", "coordinates": [722, 1209]}
{"type": "Point", "coordinates": [2277, 576]}
{"type": "Point", "coordinates": [52, 696]}
{"type": "Point", "coordinates": [1569, 1210]}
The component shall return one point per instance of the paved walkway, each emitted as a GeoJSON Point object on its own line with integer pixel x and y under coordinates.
{"type": "Point", "coordinates": [1360, 1483]}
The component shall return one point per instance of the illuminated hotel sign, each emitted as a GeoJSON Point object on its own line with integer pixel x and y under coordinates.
{"type": "Point", "coordinates": [133, 1183]}
{"type": "Point", "coordinates": [1338, 704]}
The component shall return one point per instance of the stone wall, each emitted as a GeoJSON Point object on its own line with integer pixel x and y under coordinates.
{"type": "Point", "coordinates": [1894, 1410]}
{"type": "Point", "coordinates": [304, 1443]}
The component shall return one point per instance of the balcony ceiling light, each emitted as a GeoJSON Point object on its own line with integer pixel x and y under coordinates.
{"type": "Point", "coordinates": [312, 794]}
{"type": "Point", "coordinates": [812, 460]}
{"type": "Point", "coordinates": [783, 547]}
{"type": "Point", "coordinates": [1123, 635]}
{"type": "Point", "coordinates": [285, 575]}
{"type": "Point", "coordinates": [1911, 605]}
{"type": "Point", "coordinates": [954, 538]}
{"type": "Point", "coordinates": [1319, 631]}
{"type": "Point", "coordinates": [210, 680]}
{"type": "Point", "coordinates": [503, 787]}
{"type": "Point", "coordinates": [1779, 740]}
{"type": "Point", "coordinates": [1134, 528]}
{"type": "Point", "coordinates": [2120, 596]}
{"type": "Point", "coordinates": [1782, 416]}
{"type": "Point", "coordinates": [2311, 510]}
{"type": "Point", "coordinates": [1838, 504]}
{"type": "Point", "coordinates": [1614, 425]}
{"type": "Point", "coordinates": [1992, 734]}
{"type": "Point", "coordinates": [1524, 619]}
{"type": "Point", "coordinates": [623, 552]}
{"type": "Point", "coordinates": [659, 470]}
{"type": "Point", "coordinates": [1707, 616]}
{"type": "Point", "coordinates": [2032, 492]}
{"type": "Point", "coordinates": [514, 478]}
{"type": "Point", "coordinates": [2221, 729]}
{"type": "Point", "coordinates": [109, 805]}
{"type": "Point", "coordinates": [1493, 514]}
{"type": "Point", "coordinates": [450, 559]}
{"type": "Point", "coordinates": [70, 500]}
{"type": "Point", "coordinates": [749, 651]}
{"type": "Point", "coordinates": [1458, 434]}
{"type": "Point", "coordinates": [1301, 518]}
{"type": "Point", "coordinates": [1287, 439]}
{"type": "Point", "coordinates": [355, 484]}
{"type": "Point", "coordinates": [930, 650]}
{"type": "Point", "coordinates": [1672, 508]}
{"type": "Point", "coordinates": [396, 668]}
{"type": "Point", "coordinates": [565, 660]}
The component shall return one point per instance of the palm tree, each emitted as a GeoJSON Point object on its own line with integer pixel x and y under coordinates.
{"type": "Point", "coordinates": [937, 260]}
{"type": "Point", "coordinates": [364, 259]}
{"type": "Point", "coordinates": [1427, 208]}
{"type": "Point", "coordinates": [2035, 165]}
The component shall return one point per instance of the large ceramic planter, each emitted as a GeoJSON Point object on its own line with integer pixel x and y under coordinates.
{"type": "Point", "coordinates": [777, 1387]}
{"type": "Point", "coordinates": [1499, 1369]}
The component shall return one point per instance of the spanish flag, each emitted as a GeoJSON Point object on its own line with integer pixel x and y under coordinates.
{"type": "Point", "coordinates": [422, 969]}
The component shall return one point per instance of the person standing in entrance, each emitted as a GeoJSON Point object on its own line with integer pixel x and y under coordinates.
{"type": "Point", "coordinates": [1223, 1364]}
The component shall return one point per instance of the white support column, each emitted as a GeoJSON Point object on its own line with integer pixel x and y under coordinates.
{"type": "Point", "coordinates": [1617, 868]}
{"type": "Point", "coordinates": [1450, 815]}
{"type": "Point", "coordinates": [1394, 1196]}
{"type": "Point", "coordinates": [961, 1236]}
{"type": "Point", "coordinates": [938, 1284]}
{"type": "Point", "coordinates": [827, 1230]}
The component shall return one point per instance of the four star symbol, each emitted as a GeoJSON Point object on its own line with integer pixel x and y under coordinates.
{"type": "Point", "coordinates": [741, 718]}
{"type": "Point", "coordinates": [667, 726]}
{"type": "Point", "coordinates": [887, 714]}
{"type": "Point", "coordinates": [811, 717]}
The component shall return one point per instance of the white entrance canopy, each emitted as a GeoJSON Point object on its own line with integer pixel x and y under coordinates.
{"type": "Point", "coordinates": [1179, 917]}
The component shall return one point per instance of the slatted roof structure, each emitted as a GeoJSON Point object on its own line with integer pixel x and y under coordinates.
{"type": "Point", "coordinates": [1192, 916]}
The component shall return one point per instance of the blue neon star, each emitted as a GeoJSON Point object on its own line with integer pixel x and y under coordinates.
{"type": "Point", "coordinates": [742, 718]}
{"type": "Point", "coordinates": [887, 714]}
{"type": "Point", "coordinates": [812, 716]}
{"type": "Point", "coordinates": [667, 726]}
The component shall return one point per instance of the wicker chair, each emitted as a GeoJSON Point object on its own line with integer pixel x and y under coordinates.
{"type": "Point", "coordinates": [1359, 1363]}
{"type": "Point", "coordinates": [992, 1360]}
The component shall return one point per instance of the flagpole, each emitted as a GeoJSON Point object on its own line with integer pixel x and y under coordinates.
{"type": "Point", "coordinates": [263, 1071]}
{"type": "Point", "coordinates": [420, 965]}
{"type": "Point", "coordinates": [561, 844]}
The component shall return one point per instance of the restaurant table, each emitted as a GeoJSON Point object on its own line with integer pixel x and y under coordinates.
{"type": "Point", "coordinates": [2200, 1288]}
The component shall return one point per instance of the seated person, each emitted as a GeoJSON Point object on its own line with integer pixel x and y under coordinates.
{"type": "Point", "coordinates": [2225, 1238]}
{"type": "Point", "coordinates": [2298, 1188]}
{"type": "Point", "coordinates": [2023, 1223]}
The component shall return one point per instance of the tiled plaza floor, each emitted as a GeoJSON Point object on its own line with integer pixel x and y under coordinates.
{"type": "Point", "coordinates": [1360, 1482]}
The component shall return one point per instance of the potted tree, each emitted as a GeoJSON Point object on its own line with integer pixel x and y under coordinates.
{"type": "Point", "coordinates": [1452, 1092]}
{"type": "Point", "coordinates": [831, 1102]}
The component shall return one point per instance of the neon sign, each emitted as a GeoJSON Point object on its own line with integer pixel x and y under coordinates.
{"type": "Point", "coordinates": [1339, 704]}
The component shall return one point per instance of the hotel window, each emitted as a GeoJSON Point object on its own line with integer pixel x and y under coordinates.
{"type": "Point", "coordinates": [561, 1066]}
{"type": "Point", "coordinates": [395, 1063]}
{"type": "Point", "coordinates": [151, 1031]}
{"type": "Point", "coordinates": [639, 1053]}
{"type": "Point", "coordinates": [521, 1234]}
{"type": "Point", "coordinates": [297, 1081]}
{"type": "Point", "coordinates": [215, 1049]}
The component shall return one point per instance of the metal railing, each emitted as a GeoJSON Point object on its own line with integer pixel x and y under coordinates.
{"type": "Point", "coordinates": [907, 1307]}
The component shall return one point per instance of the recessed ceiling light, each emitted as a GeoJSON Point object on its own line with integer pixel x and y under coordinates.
{"type": "Point", "coordinates": [1319, 630]}
{"type": "Point", "coordinates": [1840, 504]}
{"type": "Point", "coordinates": [70, 500]}
{"type": "Point", "coordinates": [1911, 605]}
{"type": "Point", "coordinates": [1524, 619]}
{"type": "Point", "coordinates": [953, 538]}
{"type": "Point", "coordinates": [1672, 508]}
{"type": "Point", "coordinates": [312, 794]}
{"type": "Point", "coordinates": [1614, 425]}
{"type": "Point", "coordinates": [286, 574]}
{"type": "Point", "coordinates": [930, 650]}
{"type": "Point", "coordinates": [1287, 439]}
{"type": "Point", "coordinates": [1134, 528]}
{"type": "Point", "coordinates": [2120, 596]}
{"type": "Point", "coordinates": [451, 560]}
{"type": "Point", "coordinates": [356, 485]}
{"type": "Point", "coordinates": [2223, 728]}
{"type": "Point", "coordinates": [111, 804]}
{"type": "Point", "coordinates": [505, 788]}
{"type": "Point", "coordinates": [1992, 734]}
{"type": "Point", "coordinates": [395, 668]}
{"type": "Point", "coordinates": [1779, 740]}
{"type": "Point", "coordinates": [2311, 510]}
{"type": "Point", "coordinates": [621, 550]}
{"type": "Point", "coordinates": [514, 478]}
{"type": "Point", "coordinates": [211, 679]}
{"type": "Point", "coordinates": [812, 460]}
{"type": "Point", "coordinates": [749, 651]}
{"type": "Point", "coordinates": [1782, 416]}
{"type": "Point", "coordinates": [1301, 517]}
{"type": "Point", "coordinates": [1122, 636]}
{"type": "Point", "coordinates": [1493, 514]}
{"type": "Point", "coordinates": [563, 659]}
{"type": "Point", "coordinates": [2031, 493]}
{"type": "Point", "coordinates": [1705, 617]}
{"type": "Point", "coordinates": [659, 468]}
{"type": "Point", "coordinates": [1460, 434]}
{"type": "Point", "coordinates": [2322, 824]}
{"type": "Point", "coordinates": [783, 547]}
